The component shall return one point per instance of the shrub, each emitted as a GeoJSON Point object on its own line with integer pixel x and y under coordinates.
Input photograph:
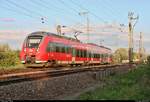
{"type": "Point", "coordinates": [148, 60]}
{"type": "Point", "coordinates": [9, 58]}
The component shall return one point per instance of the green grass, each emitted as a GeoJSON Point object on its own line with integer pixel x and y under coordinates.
{"type": "Point", "coordinates": [15, 67]}
{"type": "Point", "coordinates": [134, 85]}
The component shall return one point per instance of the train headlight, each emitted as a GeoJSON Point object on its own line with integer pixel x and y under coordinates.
{"type": "Point", "coordinates": [24, 50]}
{"type": "Point", "coordinates": [37, 50]}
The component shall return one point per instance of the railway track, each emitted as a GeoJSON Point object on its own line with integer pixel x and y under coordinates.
{"type": "Point", "coordinates": [35, 75]}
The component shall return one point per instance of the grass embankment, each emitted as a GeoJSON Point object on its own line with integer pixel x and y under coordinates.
{"type": "Point", "coordinates": [134, 85]}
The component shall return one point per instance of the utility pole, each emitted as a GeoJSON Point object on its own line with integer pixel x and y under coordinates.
{"type": "Point", "coordinates": [141, 47]}
{"type": "Point", "coordinates": [87, 28]}
{"type": "Point", "coordinates": [59, 29]}
{"type": "Point", "coordinates": [131, 29]}
{"type": "Point", "coordinates": [101, 42]}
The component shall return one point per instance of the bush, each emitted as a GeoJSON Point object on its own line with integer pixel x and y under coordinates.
{"type": "Point", "coordinates": [148, 60]}
{"type": "Point", "coordinates": [10, 58]}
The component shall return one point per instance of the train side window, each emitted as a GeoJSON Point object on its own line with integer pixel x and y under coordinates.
{"type": "Point", "coordinates": [79, 53]}
{"type": "Point", "coordinates": [105, 55]}
{"type": "Point", "coordinates": [101, 55]}
{"type": "Point", "coordinates": [82, 53]}
{"type": "Point", "coordinates": [57, 49]}
{"type": "Point", "coordinates": [66, 49]}
{"type": "Point", "coordinates": [60, 48]}
{"type": "Point", "coordinates": [48, 48]}
{"type": "Point", "coordinates": [52, 47]}
{"type": "Point", "coordinates": [73, 50]}
{"type": "Point", "coordinates": [85, 53]}
{"type": "Point", "coordinates": [63, 49]}
{"type": "Point", "coordinates": [69, 49]}
{"type": "Point", "coordinates": [97, 55]}
{"type": "Point", "coordinates": [89, 54]}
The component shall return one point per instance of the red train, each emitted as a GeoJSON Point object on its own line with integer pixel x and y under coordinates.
{"type": "Point", "coordinates": [46, 49]}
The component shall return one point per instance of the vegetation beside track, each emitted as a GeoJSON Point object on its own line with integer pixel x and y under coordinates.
{"type": "Point", "coordinates": [131, 86]}
{"type": "Point", "coordinates": [9, 59]}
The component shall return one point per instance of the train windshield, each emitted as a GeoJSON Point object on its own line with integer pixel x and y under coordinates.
{"type": "Point", "coordinates": [34, 41]}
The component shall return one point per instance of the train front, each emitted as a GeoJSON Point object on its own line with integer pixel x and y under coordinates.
{"type": "Point", "coordinates": [30, 50]}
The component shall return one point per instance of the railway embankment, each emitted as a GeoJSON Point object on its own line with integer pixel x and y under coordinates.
{"type": "Point", "coordinates": [134, 85]}
{"type": "Point", "coordinates": [58, 87]}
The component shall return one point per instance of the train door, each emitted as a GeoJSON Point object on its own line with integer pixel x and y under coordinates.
{"type": "Point", "coordinates": [92, 55]}
{"type": "Point", "coordinates": [73, 55]}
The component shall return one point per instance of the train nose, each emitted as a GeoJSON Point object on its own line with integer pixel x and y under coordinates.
{"type": "Point", "coordinates": [30, 59]}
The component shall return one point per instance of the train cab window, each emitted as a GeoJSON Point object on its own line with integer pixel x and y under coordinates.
{"type": "Point", "coordinates": [34, 41]}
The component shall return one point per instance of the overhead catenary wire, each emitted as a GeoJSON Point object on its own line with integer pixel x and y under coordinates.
{"type": "Point", "coordinates": [110, 13]}
{"type": "Point", "coordinates": [116, 10]}
{"type": "Point", "coordinates": [93, 14]}
{"type": "Point", "coordinates": [73, 9]}
{"type": "Point", "coordinates": [25, 9]}
{"type": "Point", "coordinates": [46, 6]}
{"type": "Point", "coordinates": [17, 12]}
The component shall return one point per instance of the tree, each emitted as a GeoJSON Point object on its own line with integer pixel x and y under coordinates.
{"type": "Point", "coordinates": [4, 47]}
{"type": "Point", "coordinates": [120, 55]}
{"type": "Point", "coordinates": [148, 59]}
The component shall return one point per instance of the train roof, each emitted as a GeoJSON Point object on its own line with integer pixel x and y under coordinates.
{"type": "Point", "coordinates": [42, 33]}
{"type": "Point", "coordinates": [99, 46]}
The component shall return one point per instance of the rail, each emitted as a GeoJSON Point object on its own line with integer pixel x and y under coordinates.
{"type": "Point", "coordinates": [29, 76]}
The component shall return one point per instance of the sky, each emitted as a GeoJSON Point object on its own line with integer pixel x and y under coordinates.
{"type": "Point", "coordinates": [20, 17]}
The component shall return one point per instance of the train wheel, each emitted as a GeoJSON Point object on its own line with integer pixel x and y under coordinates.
{"type": "Point", "coordinates": [48, 64]}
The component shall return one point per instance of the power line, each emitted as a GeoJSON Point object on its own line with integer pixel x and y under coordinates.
{"type": "Point", "coordinates": [112, 13]}
{"type": "Point", "coordinates": [53, 6]}
{"type": "Point", "coordinates": [109, 4]}
{"type": "Point", "coordinates": [44, 5]}
{"type": "Point", "coordinates": [68, 5]}
{"type": "Point", "coordinates": [41, 3]}
{"type": "Point", "coordinates": [25, 9]}
{"type": "Point", "coordinates": [80, 6]}
{"type": "Point", "coordinates": [18, 12]}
